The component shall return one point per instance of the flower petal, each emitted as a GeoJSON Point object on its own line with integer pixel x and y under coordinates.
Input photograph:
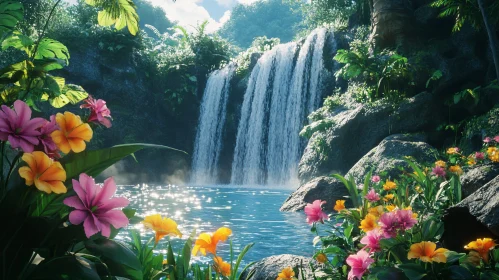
{"type": "Point", "coordinates": [75, 202]}
{"type": "Point", "coordinates": [114, 217]}
{"type": "Point", "coordinates": [77, 217]}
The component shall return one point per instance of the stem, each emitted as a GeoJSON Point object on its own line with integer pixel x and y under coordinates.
{"type": "Point", "coordinates": [493, 41]}
{"type": "Point", "coordinates": [12, 166]}
{"type": "Point", "coordinates": [44, 30]}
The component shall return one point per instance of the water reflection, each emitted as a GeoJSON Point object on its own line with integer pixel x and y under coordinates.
{"type": "Point", "coordinates": [252, 214]}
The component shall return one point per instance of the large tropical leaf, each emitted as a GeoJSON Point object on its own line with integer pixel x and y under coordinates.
{"type": "Point", "coordinates": [18, 41]}
{"type": "Point", "coordinates": [119, 13]}
{"type": "Point", "coordinates": [11, 12]}
{"type": "Point", "coordinates": [69, 94]}
{"type": "Point", "coordinates": [94, 162]}
{"type": "Point", "coordinates": [71, 266]}
{"type": "Point", "coordinates": [49, 48]}
{"type": "Point", "coordinates": [120, 260]}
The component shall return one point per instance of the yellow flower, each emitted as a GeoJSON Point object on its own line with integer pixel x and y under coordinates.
{"type": "Point", "coordinates": [425, 251]}
{"type": "Point", "coordinates": [165, 262]}
{"type": "Point", "coordinates": [340, 205]}
{"type": "Point", "coordinates": [321, 258]}
{"type": "Point", "coordinates": [162, 226]}
{"type": "Point", "coordinates": [391, 207]}
{"type": "Point", "coordinates": [493, 154]}
{"type": "Point", "coordinates": [419, 189]}
{"type": "Point", "coordinates": [440, 163]}
{"type": "Point", "coordinates": [456, 169]}
{"type": "Point", "coordinates": [471, 160]}
{"type": "Point", "coordinates": [389, 185]}
{"type": "Point", "coordinates": [482, 246]}
{"type": "Point", "coordinates": [46, 174]}
{"type": "Point", "coordinates": [369, 223]}
{"type": "Point", "coordinates": [389, 197]}
{"type": "Point", "coordinates": [72, 134]}
{"type": "Point", "coordinates": [286, 274]}
{"type": "Point", "coordinates": [208, 242]}
{"type": "Point", "coordinates": [376, 211]}
{"type": "Point", "coordinates": [221, 267]}
{"type": "Point", "coordinates": [452, 151]}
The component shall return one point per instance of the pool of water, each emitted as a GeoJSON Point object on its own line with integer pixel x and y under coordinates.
{"type": "Point", "coordinates": [251, 213]}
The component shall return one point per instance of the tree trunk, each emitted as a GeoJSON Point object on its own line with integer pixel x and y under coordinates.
{"type": "Point", "coordinates": [493, 41]}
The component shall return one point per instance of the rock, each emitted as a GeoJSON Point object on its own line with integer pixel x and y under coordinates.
{"type": "Point", "coordinates": [359, 128]}
{"type": "Point", "coordinates": [392, 23]}
{"type": "Point", "coordinates": [324, 188]}
{"type": "Point", "coordinates": [476, 176]}
{"type": "Point", "coordinates": [389, 155]}
{"type": "Point", "coordinates": [477, 216]}
{"type": "Point", "coordinates": [268, 268]}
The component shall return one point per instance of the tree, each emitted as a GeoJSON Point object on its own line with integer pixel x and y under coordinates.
{"type": "Point", "coordinates": [476, 13]}
{"type": "Point", "coordinates": [274, 18]}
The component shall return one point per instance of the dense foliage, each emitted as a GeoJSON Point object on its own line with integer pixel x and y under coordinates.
{"type": "Point", "coordinates": [259, 19]}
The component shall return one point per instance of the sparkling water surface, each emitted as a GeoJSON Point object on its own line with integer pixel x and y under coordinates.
{"type": "Point", "coordinates": [252, 213]}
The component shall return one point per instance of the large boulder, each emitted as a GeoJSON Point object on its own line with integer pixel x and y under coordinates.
{"type": "Point", "coordinates": [388, 156]}
{"type": "Point", "coordinates": [476, 176]}
{"type": "Point", "coordinates": [359, 128]}
{"type": "Point", "coordinates": [269, 268]}
{"type": "Point", "coordinates": [323, 188]}
{"type": "Point", "coordinates": [477, 216]}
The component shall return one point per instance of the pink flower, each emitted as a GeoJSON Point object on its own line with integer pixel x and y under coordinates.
{"type": "Point", "coordinates": [98, 111]}
{"type": "Point", "coordinates": [372, 196]}
{"type": "Point", "coordinates": [359, 263]}
{"type": "Point", "coordinates": [46, 143]}
{"type": "Point", "coordinates": [375, 179]}
{"type": "Point", "coordinates": [496, 138]}
{"type": "Point", "coordinates": [438, 171]}
{"type": "Point", "coordinates": [487, 140]}
{"type": "Point", "coordinates": [389, 224]}
{"type": "Point", "coordinates": [17, 127]}
{"type": "Point", "coordinates": [371, 240]}
{"type": "Point", "coordinates": [479, 156]}
{"type": "Point", "coordinates": [405, 219]}
{"type": "Point", "coordinates": [94, 206]}
{"type": "Point", "coordinates": [314, 212]}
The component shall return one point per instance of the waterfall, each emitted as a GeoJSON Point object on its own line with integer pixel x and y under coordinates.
{"type": "Point", "coordinates": [280, 93]}
{"type": "Point", "coordinates": [210, 126]}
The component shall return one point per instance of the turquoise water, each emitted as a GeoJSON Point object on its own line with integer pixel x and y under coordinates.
{"type": "Point", "coordinates": [252, 214]}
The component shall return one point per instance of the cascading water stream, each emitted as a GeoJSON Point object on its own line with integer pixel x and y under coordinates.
{"type": "Point", "coordinates": [276, 102]}
{"type": "Point", "coordinates": [208, 143]}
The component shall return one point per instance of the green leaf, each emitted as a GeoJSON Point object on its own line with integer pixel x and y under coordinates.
{"type": "Point", "coordinates": [49, 48]}
{"type": "Point", "coordinates": [413, 271]}
{"type": "Point", "coordinates": [457, 272]}
{"type": "Point", "coordinates": [94, 162]}
{"type": "Point", "coordinates": [11, 12]}
{"type": "Point", "coordinates": [119, 13]}
{"type": "Point", "coordinates": [120, 260]}
{"type": "Point", "coordinates": [18, 41]}
{"type": "Point", "coordinates": [71, 266]}
{"type": "Point", "coordinates": [70, 94]}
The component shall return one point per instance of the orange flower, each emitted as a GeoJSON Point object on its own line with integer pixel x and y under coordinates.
{"type": "Point", "coordinates": [340, 205]}
{"type": "Point", "coordinates": [208, 242]}
{"type": "Point", "coordinates": [482, 246]}
{"type": "Point", "coordinates": [376, 211]}
{"type": "Point", "coordinates": [162, 226]}
{"type": "Point", "coordinates": [286, 274]}
{"type": "Point", "coordinates": [453, 151]}
{"type": "Point", "coordinates": [440, 163]}
{"type": "Point", "coordinates": [493, 154]}
{"type": "Point", "coordinates": [471, 160]}
{"type": "Point", "coordinates": [369, 223]}
{"type": "Point", "coordinates": [321, 258]}
{"type": "Point", "coordinates": [389, 185]}
{"type": "Point", "coordinates": [391, 207]}
{"type": "Point", "coordinates": [73, 133]}
{"type": "Point", "coordinates": [46, 174]}
{"type": "Point", "coordinates": [425, 251]}
{"type": "Point", "coordinates": [221, 267]}
{"type": "Point", "coordinates": [388, 197]}
{"type": "Point", "coordinates": [456, 169]}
